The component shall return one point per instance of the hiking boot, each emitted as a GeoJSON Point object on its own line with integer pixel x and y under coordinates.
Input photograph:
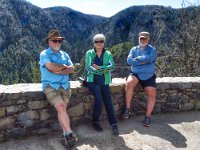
{"type": "Point", "coordinates": [69, 140]}
{"type": "Point", "coordinates": [147, 121]}
{"type": "Point", "coordinates": [126, 114]}
{"type": "Point", "coordinates": [97, 127]}
{"type": "Point", "coordinates": [115, 130]}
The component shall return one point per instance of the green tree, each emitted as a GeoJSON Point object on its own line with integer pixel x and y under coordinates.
{"type": "Point", "coordinates": [36, 75]}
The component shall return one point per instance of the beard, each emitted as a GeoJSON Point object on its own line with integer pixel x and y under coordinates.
{"type": "Point", "coordinates": [56, 48]}
{"type": "Point", "coordinates": [143, 44]}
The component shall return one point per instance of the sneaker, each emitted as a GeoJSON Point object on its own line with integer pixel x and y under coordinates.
{"type": "Point", "coordinates": [147, 121]}
{"type": "Point", "coordinates": [69, 140]}
{"type": "Point", "coordinates": [115, 130]}
{"type": "Point", "coordinates": [97, 127]}
{"type": "Point", "coordinates": [126, 114]}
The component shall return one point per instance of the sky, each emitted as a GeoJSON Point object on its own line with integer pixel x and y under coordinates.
{"type": "Point", "coordinates": [108, 8]}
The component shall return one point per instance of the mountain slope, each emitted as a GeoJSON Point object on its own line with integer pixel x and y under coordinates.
{"type": "Point", "coordinates": [23, 28]}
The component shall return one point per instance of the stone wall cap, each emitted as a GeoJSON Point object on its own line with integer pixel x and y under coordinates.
{"type": "Point", "coordinates": [34, 87]}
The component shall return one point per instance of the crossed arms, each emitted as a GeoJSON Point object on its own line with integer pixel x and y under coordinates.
{"type": "Point", "coordinates": [59, 68]}
{"type": "Point", "coordinates": [99, 70]}
{"type": "Point", "coordinates": [135, 60]}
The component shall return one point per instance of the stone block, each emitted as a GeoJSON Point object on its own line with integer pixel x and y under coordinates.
{"type": "Point", "coordinates": [16, 133]}
{"type": "Point", "coordinates": [169, 107]}
{"type": "Point", "coordinates": [181, 106]}
{"type": "Point", "coordinates": [15, 109]}
{"type": "Point", "coordinates": [186, 85]}
{"type": "Point", "coordinates": [197, 106]}
{"type": "Point", "coordinates": [7, 122]}
{"type": "Point", "coordinates": [162, 97]}
{"type": "Point", "coordinates": [5, 103]}
{"type": "Point", "coordinates": [78, 98]}
{"type": "Point", "coordinates": [12, 96]}
{"type": "Point", "coordinates": [174, 97]}
{"type": "Point", "coordinates": [184, 99]}
{"type": "Point", "coordinates": [175, 85]}
{"type": "Point", "coordinates": [88, 98]}
{"type": "Point", "coordinates": [2, 111]}
{"type": "Point", "coordinates": [193, 101]}
{"type": "Point", "coordinates": [171, 91]}
{"type": "Point", "coordinates": [117, 89]}
{"type": "Point", "coordinates": [74, 91]}
{"type": "Point", "coordinates": [34, 95]}
{"type": "Point", "coordinates": [77, 110]}
{"type": "Point", "coordinates": [88, 106]}
{"type": "Point", "coordinates": [53, 112]}
{"type": "Point", "coordinates": [27, 119]}
{"type": "Point", "coordinates": [44, 114]}
{"type": "Point", "coordinates": [116, 107]}
{"type": "Point", "coordinates": [55, 125]}
{"type": "Point", "coordinates": [189, 106]}
{"type": "Point", "coordinates": [196, 84]}
{"type": "Point", "coordinates": [38, 104]}
{"type": "Point", "coordinates": [21, 101]}
{"type": "Point", "coordinates": [2, 138]}
{"type": "Point", "coordinates": [195, 95]}
{"type": "Point", "coordinates": [164, 85]}
{"type": "Point", "coordinates": [82, 90]}
{"type": "Point", "coordinates": [32, 114]}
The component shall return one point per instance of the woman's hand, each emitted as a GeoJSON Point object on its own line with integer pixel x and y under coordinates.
{"type": "Point", "coordinates": [95, 66]}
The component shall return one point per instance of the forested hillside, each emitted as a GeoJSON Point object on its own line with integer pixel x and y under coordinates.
{"type": "Point", "coordinates": [23, 27]}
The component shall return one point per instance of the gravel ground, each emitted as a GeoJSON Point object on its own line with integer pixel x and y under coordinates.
{"type": "Point", "coordinates": [168, 132]}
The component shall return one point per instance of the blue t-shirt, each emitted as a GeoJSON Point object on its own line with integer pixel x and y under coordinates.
{"type": "Point", "coordinates": [142, 61]}
{"type": "Point", "coordinates": [48, 78]}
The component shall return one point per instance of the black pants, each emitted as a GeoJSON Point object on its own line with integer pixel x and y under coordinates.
{"type": "Point", "coordinates": [102, 93]}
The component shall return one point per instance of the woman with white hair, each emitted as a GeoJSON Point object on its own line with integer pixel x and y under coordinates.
{"type": "Point", "coordinates": [99, 64]}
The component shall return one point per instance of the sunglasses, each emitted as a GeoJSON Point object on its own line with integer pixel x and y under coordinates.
{"type": "Point", "coordinates": [144, 39]}
{"type": "Point", "coordinates": [98, 42]}
{"type": "Point", "coordinates": [56, 41]}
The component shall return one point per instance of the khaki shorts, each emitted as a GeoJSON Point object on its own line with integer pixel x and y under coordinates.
{"type": "Point", "coordinates": [54, 96]}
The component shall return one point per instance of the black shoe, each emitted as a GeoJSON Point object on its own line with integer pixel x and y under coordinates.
{"type": "Point", "coordinates": [69, 140]}
{"type": "Point", "coordinates": [97, 127]}
{"type": "Point", "coordinates": [115, 130]}
{"type": "Point", "coordinates": [126, 114]}
{"type": "Point", "coordinates": [147, 121]}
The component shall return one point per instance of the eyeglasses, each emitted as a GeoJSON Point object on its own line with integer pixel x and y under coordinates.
{"type": "Point", "coordinates": [144, 39]}
{"type": "Point", "coordinates": [56, 41]}
{"type": "Point", "coordinates": [98, 42]}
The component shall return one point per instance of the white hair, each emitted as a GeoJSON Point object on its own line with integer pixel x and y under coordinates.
{"type": "Point", "coordinates": [99, 37]}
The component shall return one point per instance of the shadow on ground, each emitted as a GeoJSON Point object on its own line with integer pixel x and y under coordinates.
{"type": "Point", "coordinates": [168, 132]}
{"type": "Point", "coordinates": [170, 127]}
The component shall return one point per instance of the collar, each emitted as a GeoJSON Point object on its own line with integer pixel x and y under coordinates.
{"type": "Point", "coordinates": [144, 48]}
{"type": "Point", "coordinates": [103, 50]}
{"type": "Point", "coordinates": [52, 52]}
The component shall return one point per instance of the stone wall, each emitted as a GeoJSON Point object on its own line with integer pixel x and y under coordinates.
{"type": "Point", "coordinates": [25, 111]}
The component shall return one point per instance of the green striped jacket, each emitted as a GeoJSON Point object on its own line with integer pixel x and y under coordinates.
{"type": "Point", "coordinates": [108, 66]}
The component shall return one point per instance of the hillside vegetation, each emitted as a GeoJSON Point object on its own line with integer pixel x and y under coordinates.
{"type": "Point", "coordinates": [23, 28]}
